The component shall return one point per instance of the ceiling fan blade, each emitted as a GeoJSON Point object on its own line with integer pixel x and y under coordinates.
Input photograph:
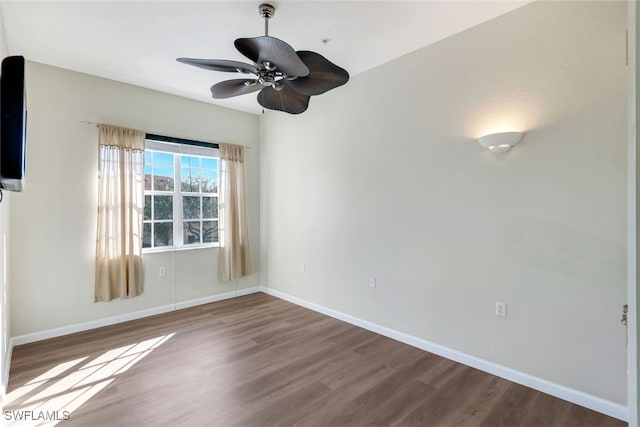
{"type": "Point", "coordinates": [235, 87]}
{"type": "Point", "coordinates": [219, 65]}
{"type": "Point", "coordinates": [323, 75]}
{"type": "Point", "coordinates": [286, 100]}
{"type": "Point", "coordinates": [266, 48]}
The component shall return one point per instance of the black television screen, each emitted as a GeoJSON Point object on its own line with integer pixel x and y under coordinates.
{"type": "Point", "coordinates": [13, 124]}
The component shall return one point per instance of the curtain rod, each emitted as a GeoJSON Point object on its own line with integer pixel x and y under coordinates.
{"type": "Point", "coordinates": [165, 138]}
{"type": "Point", "coordinates": [182, 141]}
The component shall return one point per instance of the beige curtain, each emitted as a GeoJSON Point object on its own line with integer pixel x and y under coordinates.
{"type": "Point", "coordinates": [233, 254]}
{"type": "Point", "coordinates": [120, 212]}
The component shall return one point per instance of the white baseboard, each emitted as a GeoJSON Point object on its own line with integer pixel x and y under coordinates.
{"type": "Point", "coordinates": [590, 401]}
{"type": "Point", "coordinates": [80, 327]}
{"type": "Point", "coordinates": [248, 291]}
{"type": "Point", "coordinates": [218, 297]}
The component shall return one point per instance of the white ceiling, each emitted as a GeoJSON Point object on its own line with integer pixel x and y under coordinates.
{"type": "Point", "coordinates": [137, 42]}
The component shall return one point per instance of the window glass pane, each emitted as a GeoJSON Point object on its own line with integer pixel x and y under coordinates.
{"type": "Point", "coordinates": [163, 234]}
{"type": "Point", "coordinates": [191, 232]}
{"type": "Point", "coordinates": [163, 207]}
{"type": "Point", "coordinates": [195, 180]}
{"type": "Point", "coordinates": [146, 236]}
{"type": "Point", "coordinates": [209, 181]}
{"type": "Point", "coordinates": [210, 207]}
{"type": "Point", "coordinates": [209, 163]}
{"type": "Point", "coordinates": [147, 207]}
{"type": "Point", "coordinates": [210, 231]}
{"type": "Point", "coordinates": [163, 178]}
{"type": "Point", "coordinates": [147, 157]}
{"type": "Point", "coordinates": [190, 161]}
{"type": "Point", "coordinates": [164, 159]}
{"type": "Point", "coordinates": [189, 181]}
{"type": "Point", "coordinates": [147, 177]}
{"type": "Point", "coordinates": [191, 207]}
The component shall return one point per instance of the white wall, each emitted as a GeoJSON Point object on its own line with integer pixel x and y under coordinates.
{"type": "Point", "coordinates": [53, 221]}
{"type": "Point", "coordinates": [383, 178]}
{"type": "Point", "coordinates": [4, 258]}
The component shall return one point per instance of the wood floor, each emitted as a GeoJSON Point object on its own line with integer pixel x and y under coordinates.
{"type": "Point", "coordinates": [260, 361]}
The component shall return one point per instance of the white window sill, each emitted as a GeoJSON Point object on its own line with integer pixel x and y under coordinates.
{"type": "Point", "coordinates": [178, 249]}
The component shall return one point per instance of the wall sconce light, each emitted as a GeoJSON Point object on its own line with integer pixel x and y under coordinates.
{"type": "Point", "coordinates": [500, 142]}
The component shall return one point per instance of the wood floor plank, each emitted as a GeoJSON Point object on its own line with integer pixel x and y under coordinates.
{"type": "Point", "coordinates": [286, 406]}
{"type": "Point", "coordinates": [452, 394]}
{"type": "Point", "coordinates": [341, 398]}
{"type": "Point", "coordinates": [512, 408]}
{"type": "Point", "coordinates": [397, 405]}
{"type": "Point", "coordinates": [260, 361]}
{"type": "Point", "coordinates": [476, 402]}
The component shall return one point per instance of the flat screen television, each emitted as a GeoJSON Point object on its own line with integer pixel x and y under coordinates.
{"type": "Point", "coordinates": [13, 124]}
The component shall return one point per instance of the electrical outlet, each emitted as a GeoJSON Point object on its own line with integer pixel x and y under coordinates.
{"type": "Point", "coordinates": [162, 271]}
{"type": "Point", "coordinates": [303, 268]}
{"type": "Point", "coordinates": [372, 282]}
{"type": "Point", "coordinates": [501, 309]}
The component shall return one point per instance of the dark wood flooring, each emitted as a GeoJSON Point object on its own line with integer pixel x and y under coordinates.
{"type": "Point", "coordinates": [260, 361]}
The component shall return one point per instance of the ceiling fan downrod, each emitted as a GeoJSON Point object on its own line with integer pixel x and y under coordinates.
{"type": "Point", "coordinates": [266, 11]}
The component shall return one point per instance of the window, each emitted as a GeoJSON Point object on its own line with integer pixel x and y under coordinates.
{"type": "Point", "coordinates": [180, 196]}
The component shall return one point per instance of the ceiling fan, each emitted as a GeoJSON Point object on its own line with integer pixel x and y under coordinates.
{"type": "Point", "coordinates": [285, 78]}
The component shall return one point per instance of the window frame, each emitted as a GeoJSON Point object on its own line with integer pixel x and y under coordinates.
{"type": "Point", "coordinates": [178, 150]}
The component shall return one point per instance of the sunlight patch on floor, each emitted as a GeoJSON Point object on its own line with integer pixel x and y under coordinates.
{"type": "Point", "coordinates": [54, 396]}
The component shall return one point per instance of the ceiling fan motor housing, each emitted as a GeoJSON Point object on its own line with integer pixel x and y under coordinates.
{"type": "Point", "coordinates": [266, 10]}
